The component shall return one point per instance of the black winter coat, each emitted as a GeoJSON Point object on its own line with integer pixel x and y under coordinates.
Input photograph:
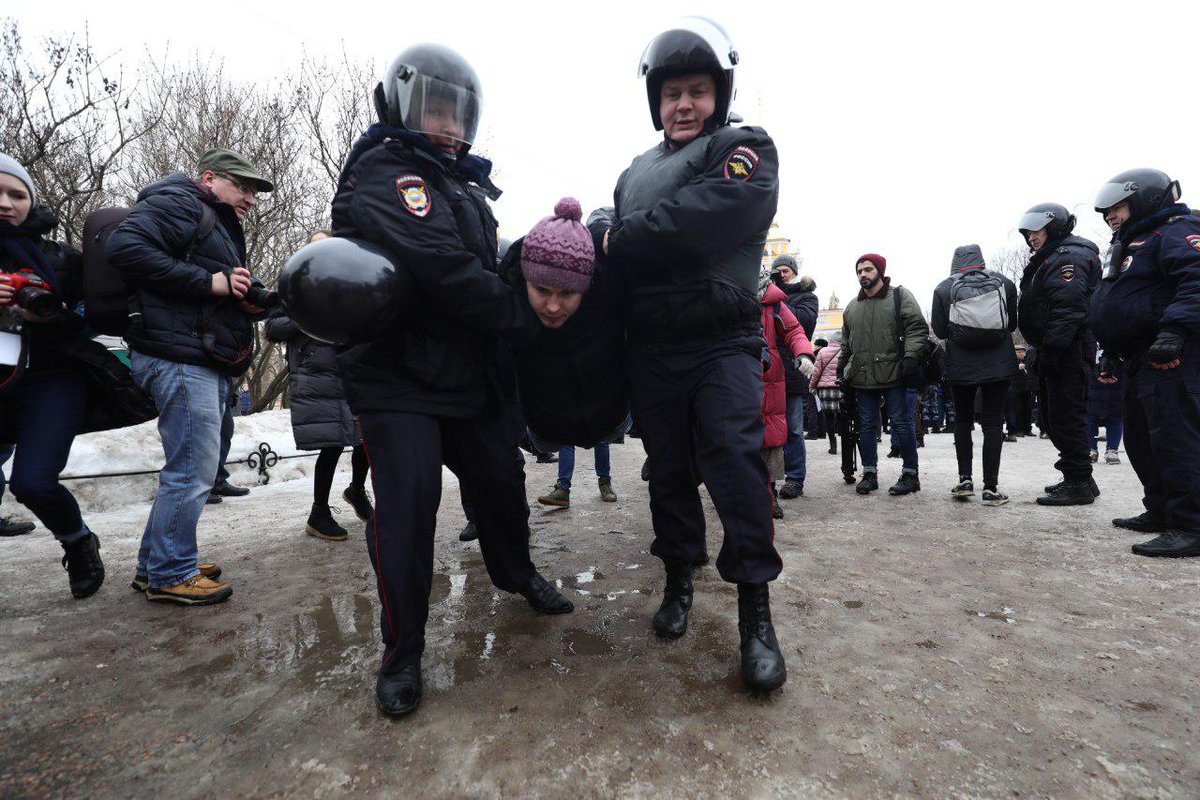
{"type": "Point", "coordinates": [968, 365]}
{"type": "Point", "coordinates": [397, 191]}
{"type": "Point", "coordinates": [320, 416]}
{"type": "Point", "coordinates": [115, 400]}
{"type": "Point", "coordinates": [1055, 289]}
{"type": "Point", "coordinates": [180, 318]}
{"type": "Point", "coordinates": [806, 308]}
{"type": "Point", "coordinates": [1104, 399]}
{"type": "Point", "coordinates": [572, 380]}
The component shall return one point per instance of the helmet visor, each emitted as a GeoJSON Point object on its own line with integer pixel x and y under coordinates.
{"type": "Point", "coordinates": [436, 108]}
{"type": "Point", "coordinates": [1035, 220]}
{"type": "Point", "coordinates": [1112, 193]}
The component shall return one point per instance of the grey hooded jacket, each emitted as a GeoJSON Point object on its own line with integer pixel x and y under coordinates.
{"type": "Point", "coordinates": [969, 366]}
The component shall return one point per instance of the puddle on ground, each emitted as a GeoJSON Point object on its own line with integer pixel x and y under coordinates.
{"type": "Point", "coordinates": [580, 642]}
{"type": "Point", "coordinates": [1004, 615]}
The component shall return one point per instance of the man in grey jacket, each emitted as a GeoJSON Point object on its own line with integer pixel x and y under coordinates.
{"type": "Point", "coordinates": [883, 332]}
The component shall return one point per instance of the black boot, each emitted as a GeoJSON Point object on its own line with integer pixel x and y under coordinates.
{"type": "Point", "coordinates": [670, 622]}
{"type": "Point", "coordinates": [1068, 493]}
{"type": "Point", "coordinates": [908, 483]}
{"type": "Point", "coordinates": [356, 495]}
{"type": "Point", "coordinates": [1054, 487]}
{"type": "Point", "coordinates": [1171, 544]}
{"type": "Point", "coordinates": [1142, 523]}
{"type": "Point", "coordinates": [776, 509]}
{"type": "Point", "coordinates": [762, 661]}
{"type": "Point", "coordinates": [469, 533]}
{"type": "Point", "coordinates": [869, 483]}
{"type": "Point", "coordinates": [544, 597]}
{"type": "Point", "coordinates": [399, 693]}
{"type": "Point", "coordinates": [322, 525]}
{"type": "Point", "coordinates": [85, 570]}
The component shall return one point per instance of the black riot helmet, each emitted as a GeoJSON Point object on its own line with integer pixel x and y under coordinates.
{"type": "Point", "coordinates": [1057, 221]}
{"type": "Point", "coordinates": [1146, 190]}
{"type": "Point", "coordinates": [695, 45]}
{"type": "Point", "coordinates": [432, 90]}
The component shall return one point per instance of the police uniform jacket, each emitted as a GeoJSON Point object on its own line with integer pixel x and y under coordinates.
{"type": "Point", "coordinates": [1052, 312]}
{"type": "Point", "coordinates": [690, 229]}
{"type": "Point", "coordinates": [1151, 283]}
{"type": "Point", "coordinates": [430, 213]}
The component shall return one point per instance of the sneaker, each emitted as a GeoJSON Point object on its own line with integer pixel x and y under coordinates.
{"type": "Point", "coordinates": [868, 484]}
{"type": "Point", "coordinates": [322, 525]}
{"type": "Point", "coordinates": [964, 488]}
{"type": "Point", "coordinates": [791, 488]}
{"type": "Point", "coordinates": [208, 569]}
{"type": "Point", "coordinates": [197, 591]}
{"type": "Point", "coordinates": [85, 570]}
{"type": "Point", "coordinates": [10, 528]}
{"type": "Point", "coordinates": [1111, 457]}
{"type": "Point", "coordinates": [1170, 544]}
{"type": "Point", "coordinates": [227, 489]}
{"type": "Point", "coordinates": [558, 496]}
{"type": "Point", "coordinates": [908, 483]}
{"type": "Point", "coordinates": [360, 501]}
{"type": "Point", "coordinates": [606, 491]}
{"type": "Point", "coordinates": [991, 497]}
{"type": "Point", "coordinates": [1094, 456]}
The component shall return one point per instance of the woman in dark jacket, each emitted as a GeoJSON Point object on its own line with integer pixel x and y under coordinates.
{"type": "Point", "coordinates": [975, 311]}
{"type": "Point", "coordinates": [1104, 406]}
{"type": "Point", "coordinates": [321, 420]}
{"type": "Point", "coordinates": [55, 382]}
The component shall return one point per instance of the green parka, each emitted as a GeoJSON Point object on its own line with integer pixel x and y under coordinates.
{"type": "Point", "coordinates": [870, 356]}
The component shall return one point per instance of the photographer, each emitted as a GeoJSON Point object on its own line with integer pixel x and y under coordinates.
{"type": "Point", "coordinates": [54, 382]}
{"type": "Point", "coordinates": [183, 251]}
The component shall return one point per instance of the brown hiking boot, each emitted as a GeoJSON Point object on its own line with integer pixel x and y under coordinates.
{"type": "Point", "coordinates": [606, 491]}
{"type": "Point", "coordinates": [197, 591]}
{"type": "Point", "coordinates": [208, 569]}
{"type": "Point", "coordinates": [558, 496]}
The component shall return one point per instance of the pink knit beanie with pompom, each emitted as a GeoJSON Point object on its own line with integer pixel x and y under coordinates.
{"type": "Point", "coordinates": [558, 252]}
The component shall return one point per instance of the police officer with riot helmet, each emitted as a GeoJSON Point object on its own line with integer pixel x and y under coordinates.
{"type": "Point", "coordinates": [427, 392]}
{"type": "Point", "coordinates": [1052, 315]}
{"type": "Point", "coordinates": [1146, 312]}
{"type": "Point", "coordinates": [692, 215]}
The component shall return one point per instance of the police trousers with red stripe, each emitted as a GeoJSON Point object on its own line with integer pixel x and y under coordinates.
{"type": "Point", "coordinates": [406, 452]}
{"type": "Point", "coordinates": [700, 410]}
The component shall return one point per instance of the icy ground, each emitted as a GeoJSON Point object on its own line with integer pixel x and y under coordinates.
{"type": "Point", "coordinates": [935, 649]}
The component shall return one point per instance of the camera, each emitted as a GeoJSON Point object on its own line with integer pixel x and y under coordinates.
{"type": "Point", "coordinates": [263, 298]}
{"type": "Point", "coordinates": [32, 294]}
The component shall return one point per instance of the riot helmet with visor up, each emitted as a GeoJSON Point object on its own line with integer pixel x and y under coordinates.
{"type": "Point", "coordinates": [1057, 221]}
{"type": "Point", "coordinates": [432, 90]}
{"type": "Point", "coordinates": [1146, 191]}
{"type": "Point", "coordinates": [694, 46]}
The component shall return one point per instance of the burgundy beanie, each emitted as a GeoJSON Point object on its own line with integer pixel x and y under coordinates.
{"type": "Point", "coordinates": [558, 252]}
{"type": "Point", "coordinates": [879, 261]}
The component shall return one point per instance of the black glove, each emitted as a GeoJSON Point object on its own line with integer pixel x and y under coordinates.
{"type": "Point", "coordinates": [1109, 366]}
{"type": "Point", "coordinates": [1032, 357]}
{"type": "Point", "coordinates": [597, 227]}
{"type": "Point", "coordinates": [1166, 348]}
{"type": "Point", "coordinates": [910, 371]}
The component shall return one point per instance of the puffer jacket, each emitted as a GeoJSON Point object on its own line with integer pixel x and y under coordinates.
{"type": "Point", "coordinates": [320, 415]}
{"type": "Point", "coordinates": [778, 322]}
{"type": "Point", "coordinates": [825, 370]}
{"type": "Point", "coordinates": [180, 320]}
{"type": "Point", "coordinates": [806, 308]}
{"type": "Point", "coordinates": [970, 366]}
{"type": "Point", "coordinates": [871, 356]}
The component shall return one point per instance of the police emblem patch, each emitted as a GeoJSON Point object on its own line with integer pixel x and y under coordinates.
{"type": "Point", "coordinates": [414, 194]}
{"type": "Point", "coordinates": [1067, 272]}
{"type": "Point", "coordinates": [741, 164]}
{"type": "Point", "coordinates": [1194, 241]}
{"type": "Point", "coordinates": [1127, 263]}
{"type": "Point", "coordinates": [1138, 243]}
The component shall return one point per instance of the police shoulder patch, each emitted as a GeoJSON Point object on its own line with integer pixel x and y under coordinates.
{"type": "Point", "coordinates": [741, 163]}
{"type": "Point", "coordinates": [1194, 241]}
{"type": "Point", "coordinates": [1067, 272]}
{"type": "Point", "coordinates": [414, 194]}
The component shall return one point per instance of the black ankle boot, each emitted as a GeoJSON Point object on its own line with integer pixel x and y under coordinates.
{"type": "Point", "coordinates": [762, 661]}
{"type": "Point", "coordinates": [322, 525]}
{"type": "Point", "coordinates": [671, 620]}
{"type": "Point", "coordinates": [85, 570]}
{"type": "Point", "coordinates": [399, 693]}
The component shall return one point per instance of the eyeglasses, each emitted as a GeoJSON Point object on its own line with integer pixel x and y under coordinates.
{"type": "Point", "coordinates": [249, 191]}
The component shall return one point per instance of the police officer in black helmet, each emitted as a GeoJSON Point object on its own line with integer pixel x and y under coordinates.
{"type": "Point", "coordinates": [1146, 312]}
{"type": "Point", "coordinates": [1052, 315]}
{"type": "Point", "coordinates": [692, 215]}
{"type": "Point", "coordinates": [427, 392]}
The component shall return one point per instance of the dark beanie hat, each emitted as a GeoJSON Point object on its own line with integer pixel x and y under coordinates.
{"type": "Point", "coordinates": [879, 261]}
{"type": "Point", "coordinates": [558, 252]}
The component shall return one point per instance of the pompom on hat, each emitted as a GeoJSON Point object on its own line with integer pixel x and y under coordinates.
{"type": "Point", "coordinates": [879, 261]}
{"type": "Point", "coordinates": [558, 252]}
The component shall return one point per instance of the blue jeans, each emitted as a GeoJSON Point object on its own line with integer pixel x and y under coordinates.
{"type": "Point", "coordinates": [191, 402]}
{"type": "Point", "coordinates": [50, 408]}
{"type": "Point", "coordinates": [900, 418]}
{"type": "Point", "coordinates": [913, 397]}
{"type": "Point", "coordinates": [226, 440]}
{"type": "Point", "coordinates": [1113, 429]}
{"type": "Point", "coordinates": [566, 463]}
{"type": "Point", "coordinates": [794, 454]}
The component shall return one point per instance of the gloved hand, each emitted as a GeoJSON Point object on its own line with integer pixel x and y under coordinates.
{"type": "Point", "coordinates": [910, 372]}
{"type": "Point", "coordinates": [1166, 350]}
{"type": "Point", "coordinates": [804, 365]}
{"type": "Point", "coordinates": [1108, 369]}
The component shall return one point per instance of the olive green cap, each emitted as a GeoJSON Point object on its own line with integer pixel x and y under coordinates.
{"type": "Point", "coordinates": [227, 162]}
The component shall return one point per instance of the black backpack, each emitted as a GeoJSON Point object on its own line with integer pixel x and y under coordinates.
{"type": "Point", "coordinates": [978, 310]}
{"type": "Point", "coordinates": [931, 359]}
{"type": "Point", "coordinates": [108, 299]}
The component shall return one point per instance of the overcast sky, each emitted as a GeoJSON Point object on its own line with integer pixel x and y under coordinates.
{"type": "Point", "coordinates": [903, 128]}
